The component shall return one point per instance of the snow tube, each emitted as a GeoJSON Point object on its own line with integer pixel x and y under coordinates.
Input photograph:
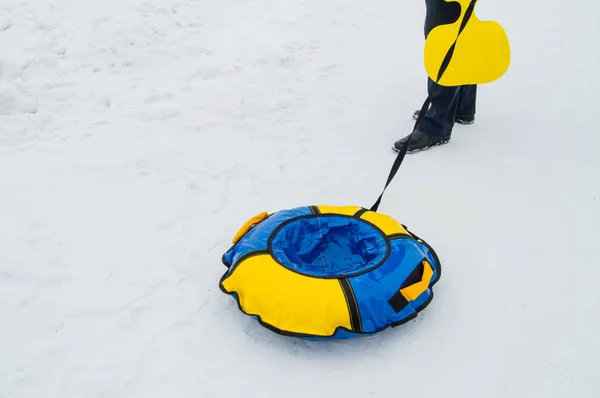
{"type": "Point", "coordinates": [329, 272]}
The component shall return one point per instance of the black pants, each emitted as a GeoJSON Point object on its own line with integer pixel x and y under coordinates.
{"type": "Point", "coordinates": [447, 103]}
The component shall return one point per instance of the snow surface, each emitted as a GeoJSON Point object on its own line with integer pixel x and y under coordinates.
{"type": "Point", "coordinates": [137, 136]}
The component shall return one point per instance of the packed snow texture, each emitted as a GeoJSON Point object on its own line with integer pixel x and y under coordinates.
{"type": "Point", "coordinates": [137, 136]}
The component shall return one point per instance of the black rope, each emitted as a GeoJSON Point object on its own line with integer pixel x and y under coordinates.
{"type": "Point", "coordinates": [425, 107]}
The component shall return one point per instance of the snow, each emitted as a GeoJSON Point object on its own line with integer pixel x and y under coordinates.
{"type": "Point", "coordinates": [136, 137]}
{"type": "Point", "coordinates": [12, 98]}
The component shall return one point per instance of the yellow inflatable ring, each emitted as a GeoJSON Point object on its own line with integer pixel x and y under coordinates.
{"type": "Point", "coordinates": [329, 272]}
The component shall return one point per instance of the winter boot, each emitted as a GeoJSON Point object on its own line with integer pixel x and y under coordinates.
{"type": "Point", "coordinates": [419, 142]}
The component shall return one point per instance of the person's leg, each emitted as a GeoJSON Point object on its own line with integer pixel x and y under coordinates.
{"type": "Point", "coordinates": [466, 107]}
{"type": "Point", "coordinates": [439, 119]}
{"type": "Point", "coordinates": [436, 126]}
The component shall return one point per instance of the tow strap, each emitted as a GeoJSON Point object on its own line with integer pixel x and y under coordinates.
{"type": "Point", "coordinates": [425, 107]}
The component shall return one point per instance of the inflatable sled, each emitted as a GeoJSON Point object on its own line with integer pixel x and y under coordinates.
{"type": "Point", "coordinates": [327, 272]}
